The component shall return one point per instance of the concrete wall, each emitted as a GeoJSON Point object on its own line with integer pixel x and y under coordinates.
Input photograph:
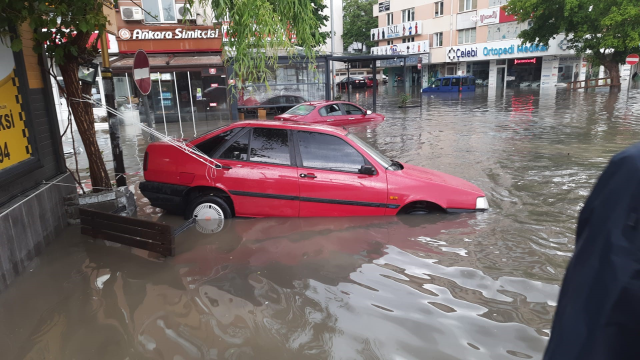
{"type": "Point", "coordinates": [29, 223]}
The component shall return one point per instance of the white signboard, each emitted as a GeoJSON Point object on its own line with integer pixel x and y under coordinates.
{"type": "Point", "coordinates": [549, 71]}
{"type": "Point", "coordinates": [504, 50]}
{"type": "Point", "coordinates": [416, 47]}
{"type": "Point", "coordinates": [396, 31]}
{"type": "Point", "coordinates": [466, 20]}
{"type": "Point", "coordinates": [488, 16]}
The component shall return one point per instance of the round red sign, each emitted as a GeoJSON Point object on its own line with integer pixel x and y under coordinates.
{"type": "Point", "coordinates": [141, 74]}
{"type": "Point", "coordinates": [633, 59]}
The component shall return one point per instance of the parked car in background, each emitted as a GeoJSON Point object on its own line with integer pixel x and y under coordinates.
{"type": "Point", "coordinates": [337, 113]}
{"type": "Point", "coordinates": [452, 83]}
{"type": "Point", "coordinates": [385, 79]}
{"type": "Point", "coordinates": [281, 103]}
{"type": "Point", "coordinates": [353, 82]}
{"type": "Point", "coordinates": [274, 105]}
{"type": "Point", "coordinates": [288, 169]}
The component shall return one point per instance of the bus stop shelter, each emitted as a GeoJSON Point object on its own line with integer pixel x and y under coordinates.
{"type": "Point", "coordinates": [350, 59]}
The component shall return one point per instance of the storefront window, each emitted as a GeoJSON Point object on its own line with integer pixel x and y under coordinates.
{"type": "Point", "coordinates": [569, 69]}
{"type": "Point", "coordinates": [289, 86]}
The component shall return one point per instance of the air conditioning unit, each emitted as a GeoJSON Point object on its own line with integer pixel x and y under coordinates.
{"type": "Point", "coordinates": [131, 13]}
{"type": "Point", "coordinates": [181, 11]}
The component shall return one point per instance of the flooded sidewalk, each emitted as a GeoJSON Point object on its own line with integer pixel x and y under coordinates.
{"type": "Point", "coordinates": [463, 286]}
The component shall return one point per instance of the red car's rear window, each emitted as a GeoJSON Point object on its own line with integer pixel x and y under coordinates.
{"type": "Point", "coordinates": [302, 109]}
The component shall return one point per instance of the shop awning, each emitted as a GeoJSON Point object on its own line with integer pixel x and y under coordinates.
{"type": "Point", "coordinates": [170, 62]}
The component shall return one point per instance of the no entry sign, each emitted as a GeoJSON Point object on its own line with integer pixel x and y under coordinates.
{"type": "Point", "coordinates": [141, 72]}
{"type": "Point", "coordinates": [633, 59]}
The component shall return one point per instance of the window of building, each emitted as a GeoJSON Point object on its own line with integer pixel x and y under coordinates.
{"type": "Point", "coordinates": [497, 2]}
{"type": "Point", "coordinates": [439, 8]}
{"type": "Point", "coordinates": [323, 151]}
{"type": "Point", "coordinates": [159, 11]}
{"type": "Point", "coordinates": [409, 40]}
{"type": "Point", "coordinates": [389, 19]}
{"type": "Point", "coordinates": [408, 15]}
{"type": "Point", "coordinates": [467, 36]}
{"type": "Point", "coordinates": [389, 42]}
{"type": "Point", "coordinates": [270, 146]}
{"type": "Point", "coordinates": [467, 5]}
{"type": "Point", "coordinates": [437, 40]}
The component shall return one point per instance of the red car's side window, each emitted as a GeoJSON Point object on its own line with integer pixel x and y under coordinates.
{"type": "Point", "coordinates": [210, 146]}
{"type": "Point", "coordinates": [328, 152]}
{"type": "Point", "coordinates": [270, 146]}
{"type": "Point", "coordinates": [352, 110]}
{"type": "Point", "coordinates": [330, 110]}
{"type": "Point", "coordinates": [238, 150]}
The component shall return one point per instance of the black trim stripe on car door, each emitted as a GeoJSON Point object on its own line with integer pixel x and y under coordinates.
{"type": "Point", "coordinates": [316, 200]}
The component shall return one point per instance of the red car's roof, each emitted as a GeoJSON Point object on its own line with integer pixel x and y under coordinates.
{"type": "Point", "coordinates": [291, 125]}
{"type": "Point", "coordinates": [326, 102]}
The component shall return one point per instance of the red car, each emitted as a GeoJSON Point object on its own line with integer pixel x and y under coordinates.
{"type": "Point", "coordinates": [284, 169]}
{"type": "Point", "coordinates": [336, 113]}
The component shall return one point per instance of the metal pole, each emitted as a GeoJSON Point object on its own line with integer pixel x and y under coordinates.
{"type": "Point", "coordinates": [375, 84]}
{"type": "Point", "coordinates": [128, 90]}
{"type": "Point", "coordinates": [175, 83]}
{"type": "Point", "coordinates": [114, 125]}
{"type": "Point", "coordinates": [164, 117]}
{"type": "Point", "coordinates": [193, 116]}
{"type": "Point", "coordinates": [333, 50]}
{"type": "Point", "coordinates": [348, 81]}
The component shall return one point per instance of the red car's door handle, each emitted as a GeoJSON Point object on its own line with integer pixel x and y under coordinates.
{"type": "Point", "coordinates": [330, 120]}
{"type": "Point", "coordinates": [352, 118]}
{"type": "Point", "coordinates": [220, 166]}
{"type": "Point", "coordinates": [311, 176]}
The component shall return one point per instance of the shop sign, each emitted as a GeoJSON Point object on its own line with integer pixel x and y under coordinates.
{"type": "Point", "coordinates": [14, 136]}
{"type": "Point", "coordinates": [212, 71]}
{"type": "Point", "coordinates": [198, 93]}
{"type": "Point", "coordinates": [179, 33]}
{"type": "Point", "coordinates": [416, 47]}
{"type": "Point", "coordinates": [396, 31]}
{"type": "Point", "coordinates": [213, 104]}
{"type": "Point", "coordinates": [384, 6]}
{"type": "Point", "coordinates": [504, 18]}
{"type": "Point", "coordinates": [524, 61]}
{"type": "Point", "coordinates": [488, 16]}
{"type": "Point", "coordinates": [214, 85]}
{"type": "Point", "coordinates": [490, 51]}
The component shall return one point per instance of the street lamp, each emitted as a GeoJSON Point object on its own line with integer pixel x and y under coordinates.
{"type": "Point", "coordinates": [87, 73]}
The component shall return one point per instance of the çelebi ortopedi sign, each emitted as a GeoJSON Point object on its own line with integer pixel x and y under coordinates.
{"type": "Point", "coordinates": [14, 136]}
{"type": "Point", "coordinates": [141, 73]}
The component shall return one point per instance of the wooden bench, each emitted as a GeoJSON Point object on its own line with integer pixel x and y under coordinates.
{"type": "Point", "coordinates": [141, 234]}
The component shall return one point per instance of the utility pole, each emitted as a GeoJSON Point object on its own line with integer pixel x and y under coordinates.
{"type": "Point", "coordinates": [114, 125]}
{"type": "Point", "coordinates": [333, 51]}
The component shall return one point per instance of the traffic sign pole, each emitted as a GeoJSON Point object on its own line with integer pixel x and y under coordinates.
{"type": "Point", "coordinates": [142, 79]}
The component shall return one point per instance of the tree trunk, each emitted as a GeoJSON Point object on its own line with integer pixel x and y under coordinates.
{"type": "Point", "coordinates": [83, 115]}
{"type": "Point", "coordinates": [614, 72]}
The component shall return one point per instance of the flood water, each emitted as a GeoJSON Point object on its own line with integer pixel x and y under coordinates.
{"type": "Point", "coordinates": [466, 286]}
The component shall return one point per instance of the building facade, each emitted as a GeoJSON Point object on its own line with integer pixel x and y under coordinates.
{"type": "Point", "coordinates": [33, 174]}
{"type": "Point", "coordinates": [471, 37]}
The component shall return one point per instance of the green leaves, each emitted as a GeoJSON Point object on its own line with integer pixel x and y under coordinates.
{"type": "Point", "coordinates": [16, 45]}
{"type": "Point", "coordinates": [613, 25]}
{"type": "Point", "coordinates": [358, 20]}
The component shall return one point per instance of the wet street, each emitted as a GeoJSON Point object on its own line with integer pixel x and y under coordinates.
{"type": "Point", "coordinates": [464, 286]}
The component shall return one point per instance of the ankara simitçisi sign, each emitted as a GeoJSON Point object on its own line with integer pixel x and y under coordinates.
{"type": "Point", "coordinates": [179, 33]}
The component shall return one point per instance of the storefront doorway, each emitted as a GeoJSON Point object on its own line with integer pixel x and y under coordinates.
{"type": "Point", "coordinates": [524, 73]}
{"type": "Point", "coordinates": [479, 70]}
{"type": "Point", "coordinates": [500, 78]}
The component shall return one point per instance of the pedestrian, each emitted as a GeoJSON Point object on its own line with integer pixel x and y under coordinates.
{"type": "Point", "coordinates": [598, 313]}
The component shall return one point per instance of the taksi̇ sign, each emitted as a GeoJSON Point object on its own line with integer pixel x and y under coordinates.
{"type": "Point", "coordinates": [179, 33]}
{"type": "Point", "coordinates": [14, 135]}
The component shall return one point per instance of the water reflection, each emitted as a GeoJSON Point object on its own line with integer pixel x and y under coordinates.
{"type": "Point", "coordinates": [471, 286]}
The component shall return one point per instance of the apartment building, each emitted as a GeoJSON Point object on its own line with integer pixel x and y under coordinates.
{"type": "Point", "coordinates": [468, 37]}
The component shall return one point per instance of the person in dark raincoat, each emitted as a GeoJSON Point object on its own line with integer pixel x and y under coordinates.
{"type": "Point", "coordinates": [598, 314]}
